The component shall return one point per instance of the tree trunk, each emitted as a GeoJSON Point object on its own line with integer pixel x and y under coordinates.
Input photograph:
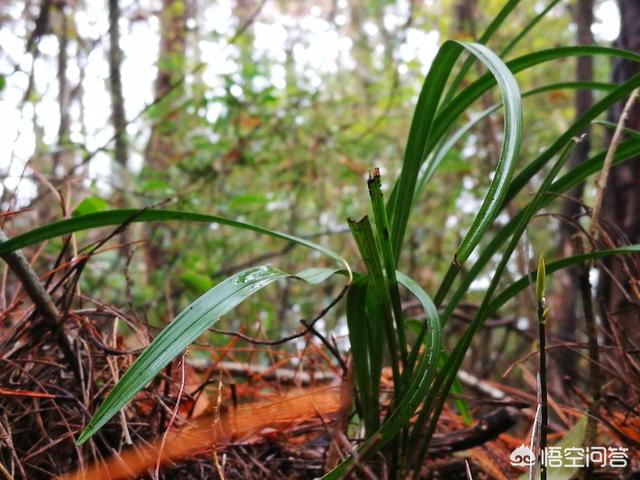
{"type": "Point", "coordinates": [621, 203]}
{"type": "Point", "coordinates": [60, 156]}
{"type": "Point", "coordinates": [118, 117]}
{"type": "Point", "coordinates": [163, 148]}
{"type": "Point", "coordinates": [564, 302]}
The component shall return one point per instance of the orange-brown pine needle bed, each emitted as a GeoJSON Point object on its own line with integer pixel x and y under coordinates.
{"type": "Point", "coordinates": [204, 434]}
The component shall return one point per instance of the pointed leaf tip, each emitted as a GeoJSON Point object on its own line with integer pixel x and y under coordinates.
{"type": "Point", "coordinates": [540, 280]}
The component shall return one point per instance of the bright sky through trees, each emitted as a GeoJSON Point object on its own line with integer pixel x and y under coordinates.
{"type": "Point", "coordinates": [318, 49]}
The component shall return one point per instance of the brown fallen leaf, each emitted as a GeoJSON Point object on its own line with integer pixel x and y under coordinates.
{"type": "Point", "coordinates": [285, 411]}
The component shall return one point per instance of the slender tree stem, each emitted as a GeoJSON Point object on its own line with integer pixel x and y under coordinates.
{"type": "Point", "coordinates": [544, 408]}
{"type": "Point", "coordinates": [542, 312]}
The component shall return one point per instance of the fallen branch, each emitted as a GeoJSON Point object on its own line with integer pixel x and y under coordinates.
{"type": "Point", "coordinates": [282, 375]}
{"type": "Point", "coordinates": [42, 301]}
{"type": "Point", "coordinates": [488, 428]}
{"type": "Point", "coordinates": [38, 295]}
{"type": "Point", "coordinates": [242, 424]}
{"type": "Point", "coordinates": [308, 326]}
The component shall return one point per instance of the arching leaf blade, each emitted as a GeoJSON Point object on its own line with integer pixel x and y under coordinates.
{"type": "Point", "coordinates": [119, 217]}
{"type": "Point", "coordinates": [523, 282]}
{"type": "Point", "coordinates": [420, 138]}
{"type": "Point", "coordinates": [439, 153]}
{"type": "Point", "coordinates": [184, 330]}
{"type": "Point", "coordinates": [420, 383]}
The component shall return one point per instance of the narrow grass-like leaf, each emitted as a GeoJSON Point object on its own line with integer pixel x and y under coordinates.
{"type": "Point", "coordinates": [401, 197]}
{"type": "Point", "coordinates": [420, 137]}
{"type": "Point", "coordinates": [420, 382]}
{"type": "Point", "coordinates": [575, 129]}
{"type": "Point", "coordinates": [527, 28]}
{"type": "Point", "coordinates": [450, 112]}
{"type": "Point", "coordinates": [626, 150]}
{"type": "Point", "coordinates": [454, 109]}
{"type": "Point", "coordinates": [362, 232]}
{"type": "Point", "coordinates": [366, 355]}
{"type": "Point", "coordinates": [389, 263]}
{"type": "Point", "coordinates": [118, 217]}
{"type": "Point", "coordinates": [508, 154]}
{"type": "Point", "coordinates": [611, 125]}
{"type": "Point", "coordinates": [504, 169]}
{"type": "Point", "coordinates": [183, 330]}
{"type": "Point", "coordinates": [523, 282]}
{"type": "Point", "coordinates": [437, 156]}
{"type": "Point", "coordinates": [502, 15]}
{"type": "Point", "coordinates": [448, 373]}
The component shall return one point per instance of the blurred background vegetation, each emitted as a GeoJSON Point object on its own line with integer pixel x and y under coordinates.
{"type": "Point", "coordinates": [273, 112]}
{"type": "Point", "coordinates": [267, 111]}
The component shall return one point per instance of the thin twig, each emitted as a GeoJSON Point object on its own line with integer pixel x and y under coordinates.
{"type": "Point", "coordinates": [595, 373]}
{"type": "Point", "coordinates": [216, 422]}
{"type": "Point", "coordinates": [601, 182]}
{"type": "Point", "coordinates": [173, 414]}
{"type": "Point", "coordinates": [113, 365]}
{"type": "Point", "coordinates": [334, 351]}
{"type": "Point", "coordinates": [247, 370]}
{"type": "Point", "coordinates": [542, 313]}
{"type": "Point", "coordinates": [38, 295]}
{"type": "Point", "coordinates": [308, 326]}
{"type": "Point", "coordinates": [43, 302]}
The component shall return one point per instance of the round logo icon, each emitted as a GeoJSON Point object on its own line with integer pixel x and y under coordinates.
{"type": "Point", "coordinates": [522, 456]}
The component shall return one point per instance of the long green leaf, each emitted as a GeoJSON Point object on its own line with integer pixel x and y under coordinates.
{"type": "Point", "coordinates": [454, 109]}
{"type": "Point", "coordinates": [118, 217]}
{"type": "Point", "coordinates": [626, 150]}
{"type": "Point", "coordinates": [449, 372]}
{"type": "Point", "coordinates": [368, 247]}
{"type": "Point", "coordinates": [388, 261]}
{"type": "Point", "coordinates": [402, 195]}
{"type": "Point", "coordinates": [184, 330]}
{"type": "Point", "coordinates": [437, 156]}
{"type": "Point", "coordinates": [420, 384]}
{"type": "Point", "coordinates": [420, 136]}
{"type": "Point", "coordinates": [532, 168]}
{"type": "Point", "coordinates": [611, 125]}
{"type": "Point", "coordinates": [523, 282]}
{"type": "Point", "coordinates": [502, 15]}
{"type": "Point", "coordinates": [508, 154]}
{"type": "Point", "coordinates": [575, 129]}
{"type": "Point", "coordinates": [366, 354]}
{"type": "Point", "coordinates": [527, 28]}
